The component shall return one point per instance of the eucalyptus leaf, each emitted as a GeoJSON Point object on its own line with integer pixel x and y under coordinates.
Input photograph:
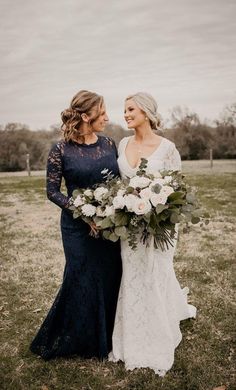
{"type": "Point", "coordinates": [174, 218]}
{"type": "Point", "coordinates": [113, 237]}
{"type": "Point", "coordinates": [195, 220]}
{"type": "Point", "coordinates": [121, 219]}
{"type": "Point", "coordinates": [121, 231]}
{"type": "Point", "coordinates": [105, 223]}
{"type": "Point", "coordinates": [156, 188]}
{"type": "Point", "coordinates": [106, 234]}
{"type": "Point", "coordinates": [76, 193]}
{"type": "Point", "coordinates": [190, 198]}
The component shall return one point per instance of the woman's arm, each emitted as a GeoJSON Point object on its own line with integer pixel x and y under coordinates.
{"type": "Point", "coordinates": [54, 177]}
{"type": "Point", "coordinates": [173, 159]}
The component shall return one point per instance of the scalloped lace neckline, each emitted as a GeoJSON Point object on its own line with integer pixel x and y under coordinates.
{"type": "Point", "coordinates": [147, 158]}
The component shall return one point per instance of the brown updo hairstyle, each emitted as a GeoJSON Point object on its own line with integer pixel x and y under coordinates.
{"type": "Point", "coordinates": [85, 102]}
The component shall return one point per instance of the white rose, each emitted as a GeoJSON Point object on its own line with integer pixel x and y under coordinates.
{"type": "Point", "coordinates": [88, 193]}
{"type": "Point", "coordinates": [175, 184]}
{"type": "Point", "coordinates": [146, 193]}
{"type": "Point", "coordinates": [109, 210]}
{"type": "Point", "coordinates": [88, 210]}
{"type": "Point", "coordinates": [129, 201]}
{"type": "Point", "coordinates": [142, 206]}
{"type": "Point", "coordinates": [118, 202]}
{"type": "Point", "coordinates": [139, 182]}
{"type": "Point", "coordinates": [78, 201]}
{"type": "Point", "coordinates": [157, 174]}
{"type": "Point", "coordinates": [100, 212]}
{"type": "Point", "coordinates": [166, 190]}
{"type": "Point", "coordinates": [168, 179]}
{"type": "Point", "coordinates": [99, 193]}
{"type": "Point", "coordinates": [121, 192]}
{"type": "Point", "coordinates": [158, 199]}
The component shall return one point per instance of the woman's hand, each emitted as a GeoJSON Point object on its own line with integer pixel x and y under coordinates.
{"type": "Point", "coordinates": [94, 229]}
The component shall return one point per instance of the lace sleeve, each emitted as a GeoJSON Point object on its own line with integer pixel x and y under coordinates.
{"type": "Point", "coordinates": [173, 160]}
{"type": "Point", "coordinates": [54, 177]}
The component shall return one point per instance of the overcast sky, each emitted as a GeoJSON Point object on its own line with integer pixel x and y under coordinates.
{"type": "Point", "coordinates": [183, 52]}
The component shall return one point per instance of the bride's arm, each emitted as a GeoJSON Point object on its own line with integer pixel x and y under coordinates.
{"type": "Point", "coordinates": [173, 159]}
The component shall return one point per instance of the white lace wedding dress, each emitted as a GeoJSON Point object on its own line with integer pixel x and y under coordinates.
{"type": "Point", "coordinates": [151, 302]}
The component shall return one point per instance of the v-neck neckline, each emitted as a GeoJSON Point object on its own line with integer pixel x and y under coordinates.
{"type": "Point", "coordinates": [147, 158]}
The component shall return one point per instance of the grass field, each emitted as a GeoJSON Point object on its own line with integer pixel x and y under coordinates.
{"type": "Point", "coordinates": [32, 263]}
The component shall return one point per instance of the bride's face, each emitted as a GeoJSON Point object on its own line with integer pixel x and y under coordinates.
{"type": "Point", "coordinates": [133, 115]}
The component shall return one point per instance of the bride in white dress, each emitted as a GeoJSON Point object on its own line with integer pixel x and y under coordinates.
{"type": "Point", "coordinates": [151, 302]}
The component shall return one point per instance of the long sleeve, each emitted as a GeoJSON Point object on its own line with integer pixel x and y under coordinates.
{"type": "Point", "coordinates": [173, 160]}
{"type": "Point", "coordinates": [54, 177]}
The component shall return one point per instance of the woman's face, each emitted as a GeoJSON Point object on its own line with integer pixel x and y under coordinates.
{"type": "Point", "coordinates": [101, 121]}
{"type": "Point", "coordinates": [134, 116]}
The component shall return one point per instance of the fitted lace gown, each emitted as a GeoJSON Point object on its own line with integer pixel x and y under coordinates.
{"type": "Point", "coordinates": [151, 303]}
{"type": "Point", "coordinates": [81, 319]}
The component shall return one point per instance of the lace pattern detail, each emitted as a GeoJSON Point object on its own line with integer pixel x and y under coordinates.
{"type": "Point", "coordinates": [172, 159]}
{"type": "Point", "coordinates": [81, 319]}
{"type": "Point", "coordinates": [151, 303]}
{"type": "Point", "coordinates": [54, 176]}
{"type": "Point", "coordinates": [73, 162]}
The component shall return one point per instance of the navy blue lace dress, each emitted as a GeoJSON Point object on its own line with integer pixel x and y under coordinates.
{"type": "Point", "coordinates": [81, 319]}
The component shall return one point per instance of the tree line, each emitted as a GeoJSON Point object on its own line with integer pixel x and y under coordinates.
{"type": "Point", "coordinates": [192, 137]}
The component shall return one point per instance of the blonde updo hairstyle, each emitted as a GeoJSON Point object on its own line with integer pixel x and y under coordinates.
{"type": "Point", "coordinates": [149, 106]}
{"type": "Point", "coordinates": [84, 102]}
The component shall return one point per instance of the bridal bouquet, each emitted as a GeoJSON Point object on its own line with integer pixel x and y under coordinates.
{"type": "Point", "coordinates": [139, 208]}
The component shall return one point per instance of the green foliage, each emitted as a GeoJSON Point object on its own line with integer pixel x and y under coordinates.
{"type": "Point", "coordinates": [192, 138]}
{"type": "Point", "coordinates": [195, 139]}
{"type": "Point", "coordinates": [17, 140]}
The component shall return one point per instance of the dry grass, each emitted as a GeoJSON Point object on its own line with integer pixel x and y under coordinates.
{"type": "Point", "coordinates": [32, 266]}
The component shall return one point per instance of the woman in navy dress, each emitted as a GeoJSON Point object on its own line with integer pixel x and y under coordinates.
{"type": "Point", "coordinates": [81, 319]}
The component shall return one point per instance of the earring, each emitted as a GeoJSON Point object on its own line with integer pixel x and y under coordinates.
{"type": "Point", "coordinates": [146, 118]}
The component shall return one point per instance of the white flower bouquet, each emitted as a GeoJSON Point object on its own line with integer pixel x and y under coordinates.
{"type": "Point", "coordinates": [139, 208]}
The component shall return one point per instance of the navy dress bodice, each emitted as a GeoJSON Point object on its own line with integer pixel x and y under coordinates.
{"type": "Point", "coordinates": [81, 319]}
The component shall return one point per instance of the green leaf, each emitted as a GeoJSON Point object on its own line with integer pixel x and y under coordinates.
{"type": "Point", "coordinates": [174, 218]}
{"type": "Point", "coordinates": [190, 198]}
{"type": "Point", "coordinates": [105, 223]}
{"type": "Point", "coordinates": [113, 237]}
{"type": "Point", "coordinates": [121, 231]}
{"type": "Point", "coordinates": [76, 193]}
{"type": "Point", "coordinates": [151, 230]}
{"type": "Point", "coordinates": [153, 221]}
{"type": "Point", "coordinates": [178, 201]}
{"type": "Point", "coordinates": [160, 208]}
{"type": "Point", "coordinates": [176, 195]}
{"type": "Point", "coordinates": [187, 208]}
{"type": "Point", "coordinates": [187, 216]}
{"type": "Point", "coordinates": [147, 217]}
{"type": "Point", "coordinates": [130, 190]}
{"type": "Point", "coordinates": [76, 214]}
{"type": "Point", "coordinates": [106, 234]}
{"type": "Point", "coordinates": [121, 219]}
{"type": "Point", "coordinates": [164, 215]}
{"type": "Point", "coordinates": [195, 220]}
